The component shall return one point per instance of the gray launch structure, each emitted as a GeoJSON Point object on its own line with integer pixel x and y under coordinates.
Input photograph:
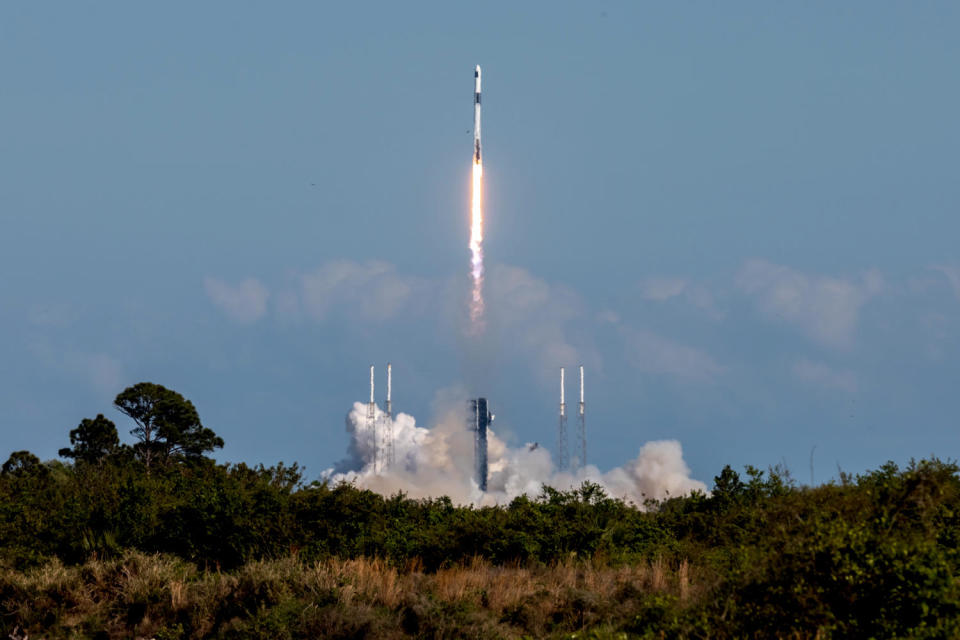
{"type": "Point", "coordinates": [582, 425]}
{"type": "Point", "coordinates": [563, 452]}
{"type": "Point", "coordinates": [480, 419]}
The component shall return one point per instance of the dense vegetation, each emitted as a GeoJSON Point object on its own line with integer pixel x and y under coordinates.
{"type": "Point", "coordinates": [155, 538]}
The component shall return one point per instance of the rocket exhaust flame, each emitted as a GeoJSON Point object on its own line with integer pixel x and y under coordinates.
{"type": "Point", "coordinates": [476, 249]}
{"type": "Point", "coordinates": [476, 217]}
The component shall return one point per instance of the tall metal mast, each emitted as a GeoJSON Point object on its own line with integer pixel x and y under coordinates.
{"type": "Point", "coordinates": [388, 419]}
{"type": "Point", "coordinates": [372, 423]}
{"type": "Point", "coordinates": [563, 452]}
{"type": "Point", "coordinates": [582, 425]}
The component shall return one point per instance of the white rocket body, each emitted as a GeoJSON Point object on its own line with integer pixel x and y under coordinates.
{"type": "Point", "coordinates": [476, 115]}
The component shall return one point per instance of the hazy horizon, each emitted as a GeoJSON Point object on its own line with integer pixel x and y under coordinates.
{"type": "Point", "coordinates": [740, 219]}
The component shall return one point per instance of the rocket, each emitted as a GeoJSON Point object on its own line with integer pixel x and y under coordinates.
{"type": "Point", "coordinates": [476, 115]}
{"type": "Point", "coordinates": [476, 215]}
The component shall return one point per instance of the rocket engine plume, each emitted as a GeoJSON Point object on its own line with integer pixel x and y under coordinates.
{"type": "Point", "coordinates": [476, 217]}
{"type": "Point", "coordinates": [439, 461]}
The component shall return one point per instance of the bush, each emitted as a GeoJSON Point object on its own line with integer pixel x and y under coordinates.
{"type": "Point", "coordinates": [193, 548]}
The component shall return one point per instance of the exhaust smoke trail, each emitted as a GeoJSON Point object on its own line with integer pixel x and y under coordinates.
{"type": "Point", "coordinates": [439, 461]}
{"type": "Point", "coordinates": [476, 217]}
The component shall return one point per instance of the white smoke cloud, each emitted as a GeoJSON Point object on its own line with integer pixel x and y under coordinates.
{"type": "Point", "coordinates": [825, 308]}
{"type": "Point", "coordinates": [103, 372]}
{"type": "Point", "coordinates": [663, 288]}
{"type": "Point", "coordinates": [819, 374]}
{"type": "Point", "coordinates": [542, 320]}
{"type": "Point", "coordinates": [952, 273]}
{"type": "Point", "coordinates": [651, 353]}
{"type": "Point", "coordinates": [439, 462]}
{"type": "Point", "coordinates": [245, 303]}
{"type": "Point", "coordinates": [374, 289]}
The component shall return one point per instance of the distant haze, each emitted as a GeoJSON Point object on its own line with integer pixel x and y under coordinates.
{"type": "Point", "coordinates": [741, 218]}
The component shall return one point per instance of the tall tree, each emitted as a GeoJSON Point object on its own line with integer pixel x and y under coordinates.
{"type": "Point", "coordinates": [168, 425]}
{"type": "Point", "coordinates": [93, 440]}
{"type": "Point", "coordinates": [22, 463]}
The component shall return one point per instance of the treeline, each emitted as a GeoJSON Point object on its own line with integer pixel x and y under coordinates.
{"type": "Point", "coordinates": [875, 555]}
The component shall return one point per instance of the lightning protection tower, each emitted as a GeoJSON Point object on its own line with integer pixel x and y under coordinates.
{"type": "Point", "coordinates": [388, 448]}
{"type": "Point", "coordinates": [480, 419]}
{"type": "Point", "coordinates": [582, 426]}
{"type": "Point", "coordinates": [563, 452]}
{"type": "Point", "coordinates": [372, 424]}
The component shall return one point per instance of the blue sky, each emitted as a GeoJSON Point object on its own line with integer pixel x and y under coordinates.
{"type": "Point", "coordinates": [741, 218]}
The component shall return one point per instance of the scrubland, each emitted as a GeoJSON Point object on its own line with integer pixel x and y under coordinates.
{"type": "Point", "coordinates": [109, 547]}
{"type": "Point", "coordinates": [144, 595]}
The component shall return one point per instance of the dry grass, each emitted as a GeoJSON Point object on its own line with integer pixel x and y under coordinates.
{"type": "Point", "coordinates": [143, 595]}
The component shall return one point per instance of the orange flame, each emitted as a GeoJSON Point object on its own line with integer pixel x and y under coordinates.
{"type": "Point", "coordinates": [476, 249]}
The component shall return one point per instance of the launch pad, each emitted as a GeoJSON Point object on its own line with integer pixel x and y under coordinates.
{"type": "Point", "coordinates": [478, 422]}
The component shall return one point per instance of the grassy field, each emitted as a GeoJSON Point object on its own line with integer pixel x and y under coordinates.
{"type": "Point", "coordinates": [107, 547]}
{"type": "Point", "coordinates": [156, 596]}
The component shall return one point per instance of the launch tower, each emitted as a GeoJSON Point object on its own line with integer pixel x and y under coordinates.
{"type": "Point", "coordinates": [563, 452]}
{"type": "Point", "coordinates": [389, 449]}
{"type": "Point", "coordinates": [480, 419]}
{"type": "Point", "coordinates": [582, 426]}
{"type": "Point", "coordinates": [372, 423]}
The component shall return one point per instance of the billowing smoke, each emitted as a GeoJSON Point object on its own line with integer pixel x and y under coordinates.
{"type": "Point", "coordinates": [439, 461]}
